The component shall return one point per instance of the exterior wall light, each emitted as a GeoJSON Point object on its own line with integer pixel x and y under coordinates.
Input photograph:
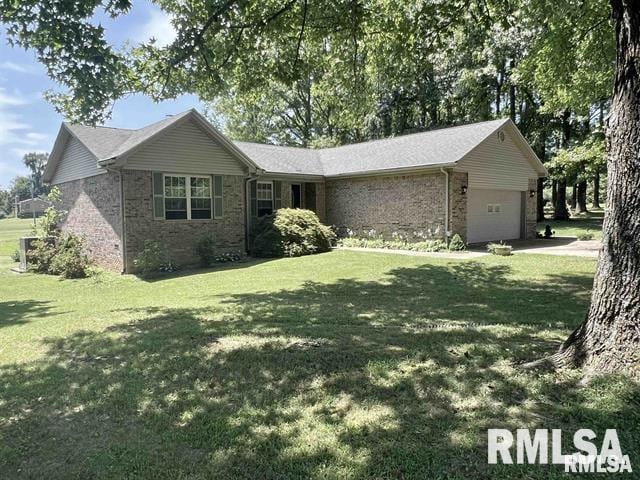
{"type": "Point", "coordinates": [532, 193]}
{"type": "Point", "coordinates": [464, 190]}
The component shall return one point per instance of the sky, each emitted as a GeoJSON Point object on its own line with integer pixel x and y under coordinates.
{"type": "Point", "coordinates": [29, 124]}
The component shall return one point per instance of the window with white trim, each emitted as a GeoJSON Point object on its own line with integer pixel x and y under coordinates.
{"type": "Point", "coordinates": [187, 197]}
{"type": "Point", "coordinates": [494, 208]}
{"type": "Point", "coordinates": [264, 198]}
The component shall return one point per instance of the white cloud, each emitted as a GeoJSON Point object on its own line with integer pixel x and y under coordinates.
{"type": "Point", "coordinates": [158, 26]}
{"type": "Point", "coordinates": [18, 67]}
{"type": "Point", "coordinates": [11, 100]}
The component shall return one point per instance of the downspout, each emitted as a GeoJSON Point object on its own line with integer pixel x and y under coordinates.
{"type": "Point", "coordinates": [123, 225]}
{"type": "Point", "coordinates": [446, 205]}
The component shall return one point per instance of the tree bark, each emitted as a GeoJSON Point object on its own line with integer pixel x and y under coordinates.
{"type": "Point", "coordinates": [609, 338]}
{"type": "Point", "coordinates": [560, 211]}
{"type": "Point", "coordinates": [596, 189]}
{"type": "Point", "coordinates": [574, 196]}
{"type": "Point", "coordinates": [560, 205]}
{"type": "Point", "coordinates": [581, 200]}
{"type": "Point", "coordinates": [540, 200]}
{"type": "Point", "coordinates": [554, 193]}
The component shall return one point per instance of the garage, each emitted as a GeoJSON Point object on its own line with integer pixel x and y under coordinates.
{"type": "Point", "coordinates": [493, 215]}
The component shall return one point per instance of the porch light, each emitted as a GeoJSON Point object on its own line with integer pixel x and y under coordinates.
{"type": "Point", "coordinates": [463, 191]}
{"type": "Point", "coordinates": [532, 193]}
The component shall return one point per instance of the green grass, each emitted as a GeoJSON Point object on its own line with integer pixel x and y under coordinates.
{"type": "Point", "coordinates": [339, 365]}
{"type": "Point", "coordinates": [11, 229]}
{"type": "Point", "coordinates": [577, 225]}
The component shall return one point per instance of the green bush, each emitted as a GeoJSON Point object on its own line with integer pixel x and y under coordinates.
{"type": "Point", "coordinates": [587, 235]}
{"type": "Point", "coordinates": [423, 246]}
{"type": "Point", "coordinates": [153, 259]}
{"type": "Point", "coordinates": [290, 232]}
{"type": "Point", "coordinates": [206, 250]}
{"type": "Point", "coordinates": [40, 255]}
{"type": "Point", "coordinates": [456, 244]}
{"type": "Point", "coordinates": [63, 255]}
{"type": "Point", "coordinates": [70, 261]}
{"type": "Point", "coordinates": [15, 256]}
{"type": "Point", "coordinates": [3, 215]}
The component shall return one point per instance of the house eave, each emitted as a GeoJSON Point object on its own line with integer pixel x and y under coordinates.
{"type": "Point", "coordinates": [392, 171]}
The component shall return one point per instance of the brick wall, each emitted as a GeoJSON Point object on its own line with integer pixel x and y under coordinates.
{"type": "Point", "coordinates": [532, 210]}
{"type": "Point", "coordinates": [458, 204]}
{"type": "Point", "coordinates": [93, 206]}
{"type": "Point", "coordinates": [180, 236]}
{"type": "Point", "coordinates": [399, 203]}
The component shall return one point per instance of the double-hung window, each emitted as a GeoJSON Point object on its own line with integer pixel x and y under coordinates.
{"type": "Point", "coordinates": [264, 198]}
{"type": "Point", "coordinates": [186, 197]}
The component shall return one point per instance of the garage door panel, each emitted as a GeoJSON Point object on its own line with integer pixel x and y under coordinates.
{"type": "Point", "coordinates": [493, 215]}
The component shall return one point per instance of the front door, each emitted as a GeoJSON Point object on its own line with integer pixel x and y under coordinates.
{"type": "Point", "coordinates": [296, 195]}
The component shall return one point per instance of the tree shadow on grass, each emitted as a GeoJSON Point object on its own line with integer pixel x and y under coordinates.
{"type": "Point", "coordinates": [350, 379]}
{"type": "Point", "coordinates": [17, 312]}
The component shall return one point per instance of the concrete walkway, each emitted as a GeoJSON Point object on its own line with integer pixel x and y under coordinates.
{"type": "Point", "coordinates": [445, 254]}
{"type": "Point", "coordinates": [559, 246]}
{"type": "Point", "coordinates": [554, 246]}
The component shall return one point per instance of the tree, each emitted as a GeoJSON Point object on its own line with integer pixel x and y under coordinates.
{"type": "Point", "coordinates": [36, 163]}
{"type": "Point", "coordinates": [609, 340]}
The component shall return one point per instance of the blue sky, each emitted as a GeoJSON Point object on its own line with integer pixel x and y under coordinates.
{"type": "Point", "coordinates": [29, 124]}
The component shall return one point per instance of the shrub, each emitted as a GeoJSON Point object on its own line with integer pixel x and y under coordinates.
{"type": "Point", "coordinates": [206, 250]}
{"type": "Point", "coordinates": [588, 235]}
{"type": "Point", "coordinates": [2, 214]}
{"type": "Point", "coordinates": [228, 257]}
{"type": "Point", "coordinates": [424, 246]}
{"type": "Point", "coordinates": [456, 244]}
{"type": "Point", "coordinates": [291, 232]}
{"type": "Point", "coordinates": [69, 261]}
{"type": "Point", "coordinates": [154, 258]}
{"type": "Point", "coordinates": [62, 256]}
{"type": "Point", "coordinates": [40, 255]}
{"type": "Point", "coordinates": [15, 256]}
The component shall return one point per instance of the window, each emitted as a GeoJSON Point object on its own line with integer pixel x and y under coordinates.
{"type": "Point", "coordinates": [186, 197]}
{"type": "Point", "coordinates": [264, 197]}
{"type": "Point", "coordinates": [175, 198]}
{"type": "Point", "coordinates": [494, 208]}
{"type": "Point", "coordinates": [200, 197]}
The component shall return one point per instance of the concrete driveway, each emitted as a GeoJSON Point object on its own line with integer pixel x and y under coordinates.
{"type": "Point", "coordinates": [555, 246]}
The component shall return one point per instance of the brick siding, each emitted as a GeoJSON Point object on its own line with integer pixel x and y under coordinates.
{"type": "Point", "coordinates": [93, 212]}
{"type": "Point", "coordinates": [180, 236]}
{"type": "Point", "coordinates": [399, 203]}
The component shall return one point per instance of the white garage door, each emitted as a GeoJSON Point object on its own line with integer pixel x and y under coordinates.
{"type": "Point", "coordinates": [493, 215]}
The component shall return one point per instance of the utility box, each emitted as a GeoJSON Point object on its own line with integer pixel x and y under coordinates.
{"type": "Point", "coordinates": [25, 245]}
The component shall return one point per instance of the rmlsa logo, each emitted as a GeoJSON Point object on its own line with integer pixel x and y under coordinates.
{"type": "Point", "coordinates": [544, 449]}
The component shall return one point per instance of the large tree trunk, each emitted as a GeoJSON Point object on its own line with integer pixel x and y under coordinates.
{"type": "Point", "coordinates": [540, 200]}
{"type": "Point", "coordinates": [554, 193]}
{"type": "Point", "coordinates": [609, 338]}
{"type": "Point", "coordinates": [560, 208]}
{"type": "Point", "coordinates": [574, 196]}
{"type": "Point", "coordinates": [596, 190]}
{"type": "Point", "coordinates": [581, 200]}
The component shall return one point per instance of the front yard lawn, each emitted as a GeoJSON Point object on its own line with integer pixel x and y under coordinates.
{"type": "Point", "coordinates": [579, 224]}
{"type": "Point", "coordinates": [344, 364]}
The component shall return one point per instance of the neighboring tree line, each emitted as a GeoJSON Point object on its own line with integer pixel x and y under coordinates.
{"type": "Point", "coordinates": [320, 73]}
{"type": "Point", "coordinates": [22, 187]}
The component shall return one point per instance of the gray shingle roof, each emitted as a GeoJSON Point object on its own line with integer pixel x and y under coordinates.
{"type": "Point", "coordinates": [433, 148]}
{"type": "Point", "coordinates": [436, 147]}
{"type": "Point", "coordinates": [107, 142]}
{"type": "Point", "coordinates": [291, 160]}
